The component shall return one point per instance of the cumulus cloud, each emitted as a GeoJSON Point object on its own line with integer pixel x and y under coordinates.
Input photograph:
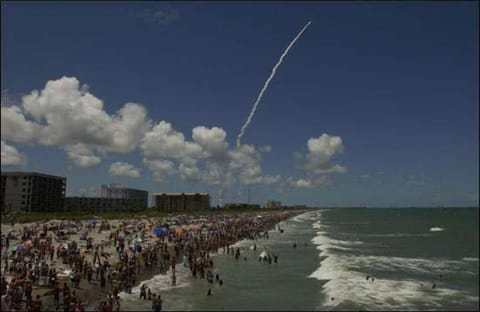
{"type": "Point", "coordinates": [320, 151]}
{"type": "Point", "coordinates": [123, 169]}
{"type": "Point", "coordinates": [205, 158]}
{"type": "Point", "coordinates": [10, 155]}
{"type": "Point", "coordinates": [69, 114]}
{"type": "Point", "coordinates": [162, 141]}
{"type": "Point", "coordinates": [161, 169]}
{"type": "Point", "coordinates": [65, 113]}
{"type": "Point", "coordinates": [82, 155]}
{"type": "Point", "coordinates": [317, 162]}
{"type": "Point", "coordinates": [15, 127]}
{"type": "Point", "coordinates": [245, 160]}
{"type": "Point", "coordinates": [212, 141]}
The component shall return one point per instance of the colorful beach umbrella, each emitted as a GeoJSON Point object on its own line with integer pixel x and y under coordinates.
{"type": "Point", "coordinates": [159, 231]}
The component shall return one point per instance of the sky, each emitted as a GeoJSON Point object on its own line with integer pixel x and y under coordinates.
{"type": "Point", "coordinates": [375, 105]}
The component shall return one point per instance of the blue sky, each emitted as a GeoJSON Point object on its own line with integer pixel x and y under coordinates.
{"type": "Point", "coordinates": [397, 82]}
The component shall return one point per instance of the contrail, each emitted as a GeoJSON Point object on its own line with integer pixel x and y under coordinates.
{"type": "Point", "coordinates": [265, 86]}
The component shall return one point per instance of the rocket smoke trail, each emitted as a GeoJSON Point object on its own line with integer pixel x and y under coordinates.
{"type": "Point", "coordinates": [265, 86]}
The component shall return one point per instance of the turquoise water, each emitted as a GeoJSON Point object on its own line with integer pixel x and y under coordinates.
{"type": "Point", "coordinates": [404, 250]}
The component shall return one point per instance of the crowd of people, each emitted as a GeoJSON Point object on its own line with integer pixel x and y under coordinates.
{"type": "Point", "coordinates": [44, 256]}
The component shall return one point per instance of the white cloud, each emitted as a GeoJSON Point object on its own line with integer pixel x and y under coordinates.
{"type": "Point", "coordinates": [312, 182]}
{"type": "Point", "coordinates": [211, 140]}
{"type": "Point", "coordinates": [206, 158]}
{"type": "Point", "coordinates": [317, 162]}
{"type": "Point", "coordinates": [82, 155]}
{"type": "Point", "coordinates": [302, 183]}
{"type": "Point", "coordinates": [123, 169]}
{"type": "Point", "coordinates": [15, 127]}
{"type": "Point", "coordinates": [245, 162]}
{"type": "Point", "coordinates": [71, 115]}
{"type": "Point", "coordinates": [161, 169]}
{"type": "Point", "coordinates": [189, 172]}
{"type": "Point", "coordinates": [10, 155]}
{"type": "Point", "coordinates": [66, 114]}
{"type": "Point", "coordinates": [162, 141]}
{"type": "Point", "coordinates": [320, 151]}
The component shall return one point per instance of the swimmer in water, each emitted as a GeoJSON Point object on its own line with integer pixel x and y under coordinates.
{"type": "Point", "coordinates": [294, 245]}
{"type": "Point", "coordinates": [209, 293]}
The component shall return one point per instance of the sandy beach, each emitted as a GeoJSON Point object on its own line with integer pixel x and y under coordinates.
{"type": "Point", "coordinates": [117, 243]}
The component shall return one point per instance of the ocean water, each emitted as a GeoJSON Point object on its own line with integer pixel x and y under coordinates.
{"type": "Point", "coordinates": [406, 251]}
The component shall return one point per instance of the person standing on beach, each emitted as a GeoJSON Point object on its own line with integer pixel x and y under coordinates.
{"type": "Point", "coordinates": [103, 281]}
{"type": "Point", "coordinates": [89, 274]}
{"type": "Point", "coordinates": [56, 295]}
{"type": "Point", "coordinates": [37, 305]}
{"type": "Point", "coordinates": [143, 292]}
{"type": "Point", "coordinates": [157, 303]}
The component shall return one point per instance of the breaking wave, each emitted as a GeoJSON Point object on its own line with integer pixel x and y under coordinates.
{"type": "Point", "coordinates": [346, 284]}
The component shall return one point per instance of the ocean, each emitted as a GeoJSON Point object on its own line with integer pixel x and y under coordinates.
{"type": "Point", "coordinates": [414, 258]}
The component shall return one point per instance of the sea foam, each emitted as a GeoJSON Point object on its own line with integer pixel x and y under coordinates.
{"type": "Point", "coordinates": [345, 277]}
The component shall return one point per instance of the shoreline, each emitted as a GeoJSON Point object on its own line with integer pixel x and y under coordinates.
{"type": "Point", "coordinates": [151, 273]}
{"type": "Point", "coordinates": [91, 295]}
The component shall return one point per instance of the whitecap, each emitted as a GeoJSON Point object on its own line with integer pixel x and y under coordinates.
{"type": "Point", "coordinates": [345, 284]}
{"type": "Point", "coordinates": [436, 229]}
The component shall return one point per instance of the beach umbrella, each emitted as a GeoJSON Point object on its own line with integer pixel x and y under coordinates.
{"type": "Point", "coordinates": [159, 231]}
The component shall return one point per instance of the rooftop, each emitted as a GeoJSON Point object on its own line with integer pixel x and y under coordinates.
{"type": "Point", "coordinates": [30, 173]}
{"type": "Point", "coordinates": [179, 194]}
